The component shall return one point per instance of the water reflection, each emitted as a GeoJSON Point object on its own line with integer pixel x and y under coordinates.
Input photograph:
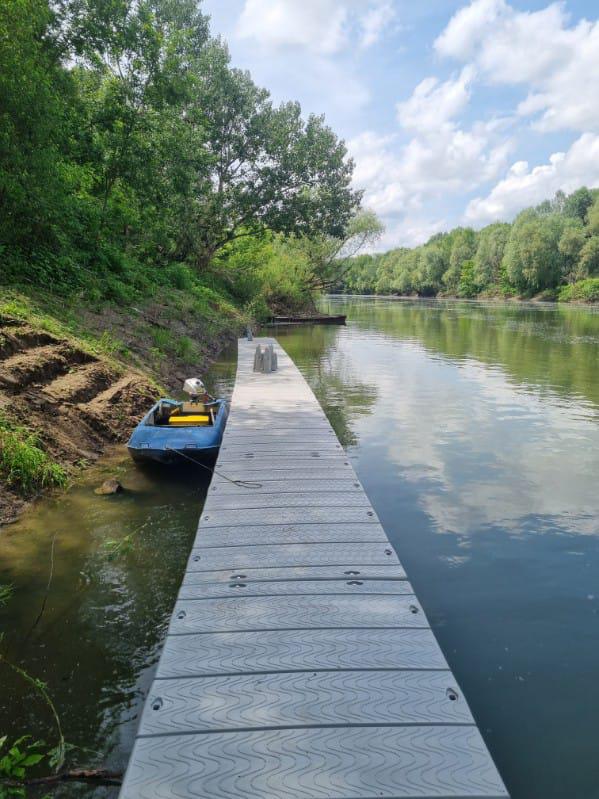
{"type": "Point", "coordinates": [479, 449]}
{"type": "Point", "coordinates": [341, 390]}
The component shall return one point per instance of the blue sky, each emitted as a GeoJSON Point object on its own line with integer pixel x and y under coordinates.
{"type": "Point", "coordinates": [455, 113]}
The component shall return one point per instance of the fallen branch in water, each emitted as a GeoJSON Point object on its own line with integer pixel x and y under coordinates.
{"type": "Point", "coordinates": [99, 776]}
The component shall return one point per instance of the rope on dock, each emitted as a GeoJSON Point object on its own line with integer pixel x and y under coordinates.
{"type": "Point", "coordinates": [238, 483]}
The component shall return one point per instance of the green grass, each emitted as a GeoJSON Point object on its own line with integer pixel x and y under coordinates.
{"type": "Point", "coordinates": [583, 291]}
{"type": "Point", "coordinates": [186, 349]}
{"type": "Point", "coordinates": [23, 464]}
{"type": "Point", "coordinates": [5, 594]}
{"type": "Point", "coordinates": [54, 315]}
{"type": "Point", "coordinates": [163, 339]}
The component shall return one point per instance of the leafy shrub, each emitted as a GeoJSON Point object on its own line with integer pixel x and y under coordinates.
{"type": "Point", "coordinates": [23, 464]}
{"type": "Point", "coordinates": [5, 594]}
{"type": "Point", "coordinates": [583, 291]}
{"type": "Point", "coordinates": [180, 276]}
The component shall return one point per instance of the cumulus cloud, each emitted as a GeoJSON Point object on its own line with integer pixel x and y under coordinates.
{"type": "Point", "coordinates": [402, 180]}
{"type": "Point", "coordinates": [401, 176]}
{"type": "Point", "coordinates": [556, 61]}
{"type": "Point", "coordinates": [467, 27]}
{"type": "Point", "coordinates": [374, 22]}
{"type": "Point", "coordinates": [325, 27]}
{"type": "Point", "coordinates": [454, 159]}
{"type": "Point", "coordinates": [277, 23]}
{"type": "Point", "coordinates": [434, 104]}
{"type": "Point", "coordinates": [380, 171]}
{"type": "Point", "coordinates": [524, 186]}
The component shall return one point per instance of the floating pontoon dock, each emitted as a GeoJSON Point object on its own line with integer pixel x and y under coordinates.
{"type": "Point", "coordinates": [298, 662]}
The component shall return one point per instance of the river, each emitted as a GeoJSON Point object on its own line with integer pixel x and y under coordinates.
{"type": "Point", "coordinates": [475, 430]}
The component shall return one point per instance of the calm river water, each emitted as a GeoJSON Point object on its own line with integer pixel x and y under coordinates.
{"type": "Point", "coordinates": [475, 431]}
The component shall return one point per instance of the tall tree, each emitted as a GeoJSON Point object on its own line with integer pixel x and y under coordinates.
{"type": "Point", "coordinates": [269, 167]}
{"type": "Point", "coordinates": [331, 256]}
{"type": "Point", "coordinates": [462, 246]}
{"type": "Point", "coordinates": [588, 262]}
{"type": "Point", "coordinates": [532, 259]}
{"type": "Point", "coordinates": [34, 94]}
{"type": "Point", "coordinates": [578, 203]}
{"type": "Point", "coordinates": [489, 254]}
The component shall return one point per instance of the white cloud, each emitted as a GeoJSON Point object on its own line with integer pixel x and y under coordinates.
{"type": "Point", "coordinates": [558, 62]}
{"type": "Point", "coordinates": [282, 23]}
{"type": "Point", "coordinates": [466, 28]}
{"type": "Point", "coordinates": [401, 181]}
{"type": "Point", "coordinates": [523, 186]}
{"type": "Point", "coordinates": [416, 177]}
{"type": "Point", "coordinates": [320, 26]}
{"type": "Point", "coordinates": [441, 158]}
{"type": "Point", "coordinates": [374, 22]}
{"type": "Point", "coordinates": [434, 104]}
{"type": "Point", "coordinates": [453, 159]}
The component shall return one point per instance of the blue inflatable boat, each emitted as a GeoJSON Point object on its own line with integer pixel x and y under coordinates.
{"type": "Point", "coordinates": [177, 432]}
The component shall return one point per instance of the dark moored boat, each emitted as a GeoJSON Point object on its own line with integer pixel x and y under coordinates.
{"type": "Point", "coordinates": [307, 320]}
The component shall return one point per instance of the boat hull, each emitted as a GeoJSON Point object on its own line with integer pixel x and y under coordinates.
{"type": "Point", "coordinates": [171, 457]}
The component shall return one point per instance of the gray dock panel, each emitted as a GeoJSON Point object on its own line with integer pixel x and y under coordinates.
{"type": "Point", "coordinates": [298, 662]}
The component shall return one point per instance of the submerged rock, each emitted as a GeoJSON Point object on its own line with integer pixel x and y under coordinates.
{"type": "Point", "coordinates": [110, 486]}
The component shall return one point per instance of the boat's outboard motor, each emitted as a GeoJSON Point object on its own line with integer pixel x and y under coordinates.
{"type": "Point", "coordinates": [196, 390]}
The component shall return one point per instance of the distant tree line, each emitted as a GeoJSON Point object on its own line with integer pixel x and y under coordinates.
{"type": "Point", "coordinates": [128, 143]}
{"type": "Point", "coordinates": [551, 249]}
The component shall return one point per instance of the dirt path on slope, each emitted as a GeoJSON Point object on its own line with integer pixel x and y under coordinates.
{"type": "Point", "coordinates": [75, 402]}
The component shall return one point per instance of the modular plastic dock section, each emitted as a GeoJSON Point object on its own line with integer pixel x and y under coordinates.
{"type": "Point", "coordinates": [299, 664]}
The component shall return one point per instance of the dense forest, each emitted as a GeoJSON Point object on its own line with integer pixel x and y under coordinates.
{"type": "Point", "coordinates": [551, 250]}
{"type": "Point", "coordinates": [134, 156]}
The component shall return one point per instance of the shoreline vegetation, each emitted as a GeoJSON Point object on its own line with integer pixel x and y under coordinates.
{"type": "Point", "coordinates": [540, 299]}
{"type": "Point", "coordinates": [549, 252]}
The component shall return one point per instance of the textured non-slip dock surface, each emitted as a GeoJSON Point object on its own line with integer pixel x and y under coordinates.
{"type": "Point", "coordinates": [298, 662]}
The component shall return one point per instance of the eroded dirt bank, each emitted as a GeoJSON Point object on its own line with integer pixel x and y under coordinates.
{"type": "Point", "coordinates": [74, 402]}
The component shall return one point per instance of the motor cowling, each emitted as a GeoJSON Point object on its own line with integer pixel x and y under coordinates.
{"type": "Point", "coordinates": [194, 387]}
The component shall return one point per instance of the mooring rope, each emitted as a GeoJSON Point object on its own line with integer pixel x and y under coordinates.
{"type": "Point", "coordinates": [238, 483]}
